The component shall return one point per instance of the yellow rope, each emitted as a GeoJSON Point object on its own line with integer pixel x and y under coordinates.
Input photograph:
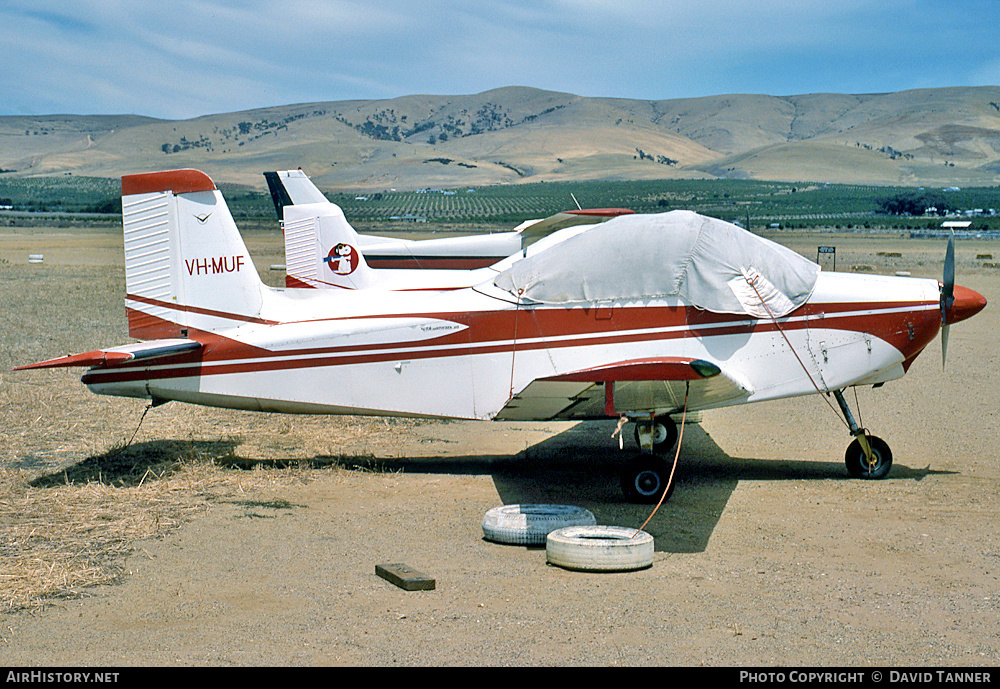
{"type": "Point", "coordinates": [677, 454]}
{"type": "Point", "coordinates": [753, 284]}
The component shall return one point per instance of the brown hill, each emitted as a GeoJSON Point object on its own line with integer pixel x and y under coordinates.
{"type": "Point", "coordinates": [932, 136]}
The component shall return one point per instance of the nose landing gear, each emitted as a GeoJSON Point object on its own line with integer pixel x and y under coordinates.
{"type": "Point", "coordinates": [867, 457]}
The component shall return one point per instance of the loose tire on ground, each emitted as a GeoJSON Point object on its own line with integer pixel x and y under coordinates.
{"type": "Point", "coordinates": [599, 548]}
{"type": "Point", "coordinates": [530, 524]}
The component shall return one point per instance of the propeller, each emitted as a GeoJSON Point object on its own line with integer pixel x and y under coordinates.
{"type": "Point", "coordinates": [947, 294]}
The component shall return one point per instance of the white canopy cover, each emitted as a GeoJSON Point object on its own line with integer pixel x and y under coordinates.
{"type": "Point", "coordinates": [707, 262]}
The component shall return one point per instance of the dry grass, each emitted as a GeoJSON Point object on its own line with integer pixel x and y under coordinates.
{"type": "Point", "coordinates": [71, 509]}
{"type": "Point", "coordinates": [64, 532]}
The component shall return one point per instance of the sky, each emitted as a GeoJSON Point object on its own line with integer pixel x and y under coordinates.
{"type": "Point", "coordinates": [186, 58]}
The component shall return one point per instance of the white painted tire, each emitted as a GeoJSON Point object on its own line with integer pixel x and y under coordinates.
{"type": "Point", "coordinates": [599, 548]}
{"type": "Point", "coordinates": [530, 524]}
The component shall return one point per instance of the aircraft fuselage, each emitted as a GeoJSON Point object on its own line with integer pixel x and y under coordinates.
{"type": "Point", "coordinates": [467, 353]}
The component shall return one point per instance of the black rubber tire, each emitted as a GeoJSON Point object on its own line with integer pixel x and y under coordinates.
{"type": "Point", "coordinates": [645, 477]}
{"type": "Point", "coordinates": [667, 434]}
{"type": "Point", "coordinates": [857, 463]}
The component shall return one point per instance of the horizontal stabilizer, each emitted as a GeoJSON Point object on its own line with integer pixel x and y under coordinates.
{"type": "Point", "coordinates": [154, 349]}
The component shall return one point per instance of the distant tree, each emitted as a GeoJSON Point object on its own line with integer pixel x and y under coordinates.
{"type": "Point", "coordinates": [913, 203]}
{"type": "Point", "coordinates": [109, 206]}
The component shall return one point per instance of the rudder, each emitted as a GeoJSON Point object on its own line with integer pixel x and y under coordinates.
{"type": "Point", "coordinates": [186, 265]}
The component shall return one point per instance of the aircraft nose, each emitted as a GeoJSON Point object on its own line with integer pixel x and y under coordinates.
{"type": "Point", "coordinates": [966, 305]}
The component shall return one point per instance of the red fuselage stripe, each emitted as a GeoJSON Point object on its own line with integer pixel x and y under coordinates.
{"type": "Point", "coordinates": [431, 262]}
{"type": "Point", "coordinates": [198, 310]}
{"type": "Point", "coordinates": [908, 330]}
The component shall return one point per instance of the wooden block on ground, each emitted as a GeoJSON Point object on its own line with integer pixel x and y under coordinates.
{"type": "Point", "coordinates": [405, 577]}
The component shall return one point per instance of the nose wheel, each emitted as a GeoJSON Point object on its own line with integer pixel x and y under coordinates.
{"type": "Point", "coordinates": [874, 464]}
{"type": "Point", "coordinates": [867, 457]}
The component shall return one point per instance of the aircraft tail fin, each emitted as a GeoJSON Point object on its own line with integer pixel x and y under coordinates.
{"type": "Point", "coordinates": [322, 249]}
{"type": "Point", "coordinates": [186, 265]}
{"type": "Point", "coordinates": [292, 187]}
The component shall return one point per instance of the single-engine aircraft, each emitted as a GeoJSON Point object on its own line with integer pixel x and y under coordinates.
{"type": "Point", "coordinates": [639, 318]}
{"type": "Point", "coordinates": [323, 250]}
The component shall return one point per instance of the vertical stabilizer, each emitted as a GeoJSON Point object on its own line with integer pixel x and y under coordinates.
{"type": "Point", "coordinates": [290, 188]}
{"type": "Point", "coordinates": [186, 265]}
{"type": "Point", "coordinates": [322, 249]}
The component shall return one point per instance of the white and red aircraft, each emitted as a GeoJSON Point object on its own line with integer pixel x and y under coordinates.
{"type": "Point", "coordinates": [639, 318]}
{"type": "Point", "coordinates": [323, 250]}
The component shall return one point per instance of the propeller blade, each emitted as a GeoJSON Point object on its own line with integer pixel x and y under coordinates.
{"type": "Point", "coordinates": [948, 283]}
{"type": "Point", "coordinates": [947, 294]}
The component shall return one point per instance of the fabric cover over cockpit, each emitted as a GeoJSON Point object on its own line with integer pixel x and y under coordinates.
{"type": "Point", "coordinates": [704, 261]}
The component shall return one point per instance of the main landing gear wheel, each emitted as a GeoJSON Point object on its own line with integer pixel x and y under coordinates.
{"type": "Point", "coordinates": [645, 477]}
{"type": "Point", "coordinates": [858, 464]}
{"type": "Point", "coordinates": [664, 434]}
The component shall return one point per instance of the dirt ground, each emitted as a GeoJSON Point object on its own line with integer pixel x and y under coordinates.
{"type": "Point", "coordinates": [767, 553]}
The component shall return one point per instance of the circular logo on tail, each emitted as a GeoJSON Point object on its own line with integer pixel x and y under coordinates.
{"type": "Point", "coordinates": [342, 259]}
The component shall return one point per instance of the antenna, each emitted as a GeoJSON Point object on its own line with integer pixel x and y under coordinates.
{"type": "Point", "coordinates": [578, 206]}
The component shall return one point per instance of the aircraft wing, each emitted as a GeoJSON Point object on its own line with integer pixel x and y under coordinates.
{"type": "Point", "coordinates": [543, 228]}
{"type": "Point", "coordinates": [635, 387]}
{"type": "Point", "coordinates": [153, 349]}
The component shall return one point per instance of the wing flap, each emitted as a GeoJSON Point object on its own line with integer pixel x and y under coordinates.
{"type": "Point", "coordinates": [637, 387]}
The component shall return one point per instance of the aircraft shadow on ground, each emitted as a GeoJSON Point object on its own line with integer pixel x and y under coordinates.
{"type": "Point", "coordinates": [130, 465]}
{"type": "Point", "coordinates": [579, 466]}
